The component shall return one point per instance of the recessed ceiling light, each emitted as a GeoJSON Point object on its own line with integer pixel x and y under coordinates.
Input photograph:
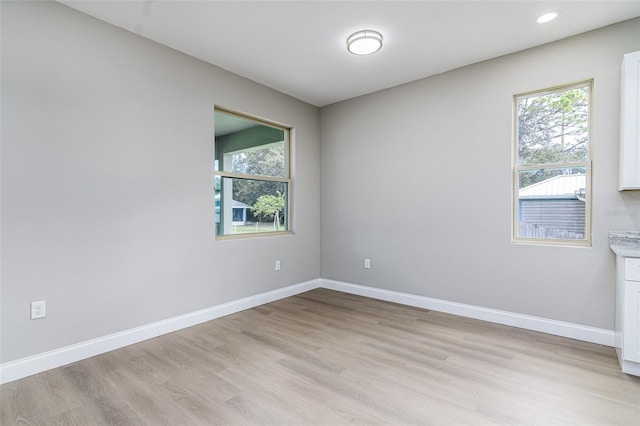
{"type": "Point", "coordinates": [547, 17]}
{"type": "Point", "coordinates": [364, 42]}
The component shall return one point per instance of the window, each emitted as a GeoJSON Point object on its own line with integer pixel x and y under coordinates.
{"type": "Point", "coordinates": [552, 166]}
{"type": "Point", "coordinates": [251, 176]}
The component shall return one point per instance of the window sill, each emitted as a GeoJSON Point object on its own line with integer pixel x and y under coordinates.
{"type": "Point", "coordinates": [252, 235]}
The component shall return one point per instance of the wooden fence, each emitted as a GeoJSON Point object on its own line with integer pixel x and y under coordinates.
{"type": "Point", "coordinates": [532, 230]}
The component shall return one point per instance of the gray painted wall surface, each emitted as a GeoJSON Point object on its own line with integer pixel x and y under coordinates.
{"type": "Point", "coordinates": [107, 199]}
{"type": "Point", "coordinates": [418, 178]}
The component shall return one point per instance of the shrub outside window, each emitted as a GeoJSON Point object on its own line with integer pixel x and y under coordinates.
{"type": "Point", "coordinates": [251, 176]}
{"type": "Point", "coordinates": [552, 166]}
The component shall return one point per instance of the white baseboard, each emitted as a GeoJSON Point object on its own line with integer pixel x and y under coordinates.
{"type": "Point", "coordinates": [24, 367]}
{"type": "Point", "coordinates": [558, 328]}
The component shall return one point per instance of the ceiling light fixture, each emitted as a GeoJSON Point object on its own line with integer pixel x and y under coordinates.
{"type": "Point", "coordinates": [547, 17]}
{"type": "Point", "coordinates": [364, 42]}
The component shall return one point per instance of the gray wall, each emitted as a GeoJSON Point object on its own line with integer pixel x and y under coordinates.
{"type": "Point", "coordinates": [418, 178]}
{"type": "Point", "coordinates": [107, 199]}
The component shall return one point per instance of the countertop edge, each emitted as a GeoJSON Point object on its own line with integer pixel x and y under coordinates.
{"type": "Point", "coordinates": [625, 251]}
{"type": "Point", "coordinates": [625, 243]}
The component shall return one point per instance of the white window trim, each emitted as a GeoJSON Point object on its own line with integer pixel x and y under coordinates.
{"type": "Point", "coordinates": [288, 132]}
{"type": "Point", "coordinates": [515, 239]}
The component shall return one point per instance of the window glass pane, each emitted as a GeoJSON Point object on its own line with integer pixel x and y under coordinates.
{"type": "Point", "coordinates": [552, 203]}
{"type": "Point", "coordinates": [250, 206]}
{"type": "Point", "coordinates": [553, 127]}
{"type": "Point", "coordinates": [249, 147]}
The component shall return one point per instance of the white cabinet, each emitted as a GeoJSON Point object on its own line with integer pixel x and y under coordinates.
{"type": "Point", "coordinates": [632, 269]}
{"type": "Point", "coordinates": [629, 122]}
{"type": "Point", "coordinates": [628, 314]}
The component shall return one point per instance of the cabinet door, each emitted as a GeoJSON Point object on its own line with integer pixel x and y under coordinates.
{"type": "Point", "coordinates": [629, 112]}
{"type": "Point", "coordinates": [631, 333]}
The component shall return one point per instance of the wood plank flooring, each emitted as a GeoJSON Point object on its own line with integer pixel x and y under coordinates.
{"type": "Point", "coordinates": [329, 358]}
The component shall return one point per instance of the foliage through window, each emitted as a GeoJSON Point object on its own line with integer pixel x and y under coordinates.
{"type": "Point", "coordinates": [251, 176]}
{"type": "Point", "coordinates": [552, 166]}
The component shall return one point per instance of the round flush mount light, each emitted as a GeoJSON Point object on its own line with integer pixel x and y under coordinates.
{"type": "Point", "coordinates": [547, 17]}
{"type": "Point", "coordinates": [364, 42]}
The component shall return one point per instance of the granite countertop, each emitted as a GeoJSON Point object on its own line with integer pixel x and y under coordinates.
{"type": "Point", "coordinates": [625, 243]}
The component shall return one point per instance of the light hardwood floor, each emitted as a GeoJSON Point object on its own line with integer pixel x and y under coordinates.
{"type": "Point", "coordinates": [329, 358]}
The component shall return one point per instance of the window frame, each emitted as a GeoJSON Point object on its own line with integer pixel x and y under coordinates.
{"type": "Point", "coordinates": [587, 164]}
{"type": "Point", "coordinates": [288, 132]}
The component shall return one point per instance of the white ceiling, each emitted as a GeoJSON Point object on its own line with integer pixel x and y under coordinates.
{"type": "Point", "coordinates": [299, 47]}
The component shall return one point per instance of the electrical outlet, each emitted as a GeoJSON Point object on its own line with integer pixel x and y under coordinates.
{"type": "Point", "coordinates": [38, 309]}
{"type": "Point", "coordinates": [367, 263]}
{"type": "Point", "coordinates": [277, 265]}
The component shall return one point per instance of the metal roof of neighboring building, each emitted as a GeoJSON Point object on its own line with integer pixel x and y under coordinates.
{"type": "Point", "coordinates": [563, 186]}
{"type": "Point", "coordinates": [238, 204]}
